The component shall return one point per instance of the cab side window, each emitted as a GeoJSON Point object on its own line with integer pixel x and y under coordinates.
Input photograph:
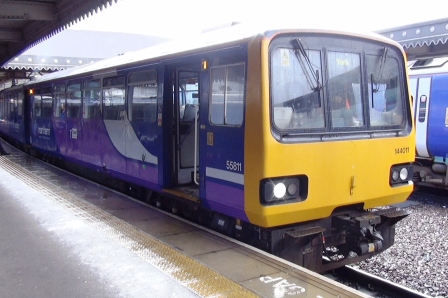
{"type": "Point", "coordinates": [227, 95]}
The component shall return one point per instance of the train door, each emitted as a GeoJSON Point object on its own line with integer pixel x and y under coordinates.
{"type": "Point", "coordinates": [421, 102]}
{"type": "Point", "coordinates": [42, 132]}
{"type": "Point", "coordinates": [222, 185]}
{"type": "Point", "coordinates": [59, 115]}
{"type": "Point", "coordinates": [72, 111]}
{"type": "Point", "coordinates": [25, 109]}
{"type": "Point", "coordinates": [114, 119]}
{"type": "Point", "coordinates": [91, 139]}
{"type": "Point", "coordinates": [186, 139]}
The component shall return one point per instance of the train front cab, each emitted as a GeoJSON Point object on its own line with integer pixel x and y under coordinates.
{"type": "Point", "coordinates": [311, 177]}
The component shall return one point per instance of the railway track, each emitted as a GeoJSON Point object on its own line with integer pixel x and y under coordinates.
{"type": "Point", "coordinates": [371, 284]}
{"type": "Point", "coordinates": [418, 258]}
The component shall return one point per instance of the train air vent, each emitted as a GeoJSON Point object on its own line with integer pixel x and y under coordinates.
{"type": "Point", "coordinates": [429, 62]}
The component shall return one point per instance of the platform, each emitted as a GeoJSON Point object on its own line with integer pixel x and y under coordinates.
{"type": "Point", "coordinates": [63, 234]}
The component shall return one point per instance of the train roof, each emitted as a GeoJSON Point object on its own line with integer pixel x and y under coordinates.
{"type": "Point", "coordinates": [231, 35]}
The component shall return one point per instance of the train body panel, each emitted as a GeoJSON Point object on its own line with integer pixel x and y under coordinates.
{"type": "Point", "coordinates": [243, 133]}
{"type": "Point", "coordinates": [42, 135]}
{"type": "Point", "coordinates": [346, 182]}
{"type": "Point", "coordinates": [92, 139]}
{"type": "Point", "coordinates": [429, 87]}
{"type": "Point", "coordinates": [438, 117]}
{"type": "Point", "coordinates": [224, 170]}
{"type": "Point", "coordinates": [13, 122]}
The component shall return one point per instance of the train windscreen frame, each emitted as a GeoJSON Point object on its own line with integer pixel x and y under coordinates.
{"type": "Point", "coordinates": [322, 84]}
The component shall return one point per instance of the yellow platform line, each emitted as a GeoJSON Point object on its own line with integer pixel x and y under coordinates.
{"type": "Point", "coordinates": [192, 274]}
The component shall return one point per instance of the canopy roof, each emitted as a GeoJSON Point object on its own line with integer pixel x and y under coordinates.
{"type": "Point", "coordinates": [421, 39]}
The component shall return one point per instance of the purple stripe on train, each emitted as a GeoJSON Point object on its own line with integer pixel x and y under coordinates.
{"type": "Point", "coordinates": [226, 199]}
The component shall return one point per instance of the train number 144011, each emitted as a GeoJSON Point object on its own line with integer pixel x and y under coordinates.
{"type": "Point", "coordinates": [233, 166]}
{"type": "Point", "coordinates": [402, 150]}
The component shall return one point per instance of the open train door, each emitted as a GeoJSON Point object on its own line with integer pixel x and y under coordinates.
{"type": "Point", "coordinates": [186, 119]}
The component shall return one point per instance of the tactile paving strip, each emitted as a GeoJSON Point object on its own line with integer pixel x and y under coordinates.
{"type": "Point", "coordinates": [194, 275]}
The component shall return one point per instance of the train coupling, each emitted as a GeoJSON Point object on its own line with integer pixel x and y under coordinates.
{"type": "Point", "coordinates": [364, 225]}
{"type": "Point", "coordinates": [371, 233]}
{"type": "Point", "coordinates": [360, 233]}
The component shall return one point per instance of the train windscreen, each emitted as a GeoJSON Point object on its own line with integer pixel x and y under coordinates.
{"type": "Point", "coordinates": [323, 84]}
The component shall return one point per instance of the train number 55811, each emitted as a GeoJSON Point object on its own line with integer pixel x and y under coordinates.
{"type": "Point", "coordinates": [233, 166]}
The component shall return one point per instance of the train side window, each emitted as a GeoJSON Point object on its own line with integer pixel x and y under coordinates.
{"type": "Point", "coordinates": [47, 103]}
{"type": "Point", "coordinates": [114, 94]}
{"type": "Point", "coordinates": [5, 107]}
{"type": "Point", "coordinates": [227, 96]}
{"type": "Point", "coordinates": [37, 103]}
{"type": "Point", "coordinates": [142, 96]}
{"type": "Point", "coordinates": [59, 104]}
{"type": "Point", "coordinates": [74, 100]}
{"type": "Point", "coordinates": [4, 112]}
{"type": "Point", "coordinates": [20, 98]}
{"type": "Point", "coordinates": [11, 106]}
{"type": "Point", "coordinates": [59, 100]}
{"type": "Point", "coordinates": [422, 108]}
{"type": "Point", "coordinates": [91, 100]}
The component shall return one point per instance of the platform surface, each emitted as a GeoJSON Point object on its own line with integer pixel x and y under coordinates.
{"type": "Point", "coordinates": [64, 235]}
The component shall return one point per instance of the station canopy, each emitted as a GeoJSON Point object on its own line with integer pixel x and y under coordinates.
{"type": "Point", "coordinates": [421, 40]}
{"type": "Point", "coordinates": [36, 38]}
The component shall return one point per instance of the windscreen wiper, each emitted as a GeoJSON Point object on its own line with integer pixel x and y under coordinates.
{"type": "Point", "coordinates": [380, 71]}
{"type": "Point", "coordinates": [313, 78]}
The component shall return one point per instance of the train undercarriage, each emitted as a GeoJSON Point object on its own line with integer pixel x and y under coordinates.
{"type": "Point", "coordinates": [431, 173]}
{"type": "Point", "coordinates": [350, 235]}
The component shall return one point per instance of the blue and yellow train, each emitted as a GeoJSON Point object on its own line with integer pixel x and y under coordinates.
{"type": "Point", "coordinates": [287, 139]}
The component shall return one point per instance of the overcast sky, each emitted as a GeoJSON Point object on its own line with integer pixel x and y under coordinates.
{"type": "Point", "coordinates": [179, 17]}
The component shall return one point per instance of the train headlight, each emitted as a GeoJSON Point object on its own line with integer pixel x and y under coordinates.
{"type": "Point", "coordinates": [279, 190]}
{"type": "Point", "coordinates": [400, 174]}
{"type": "Point", "coordinates": [283, 190]}
{"type": "Point", "coordinates": [395, 175]}
{"type": "Point", "coordinates": [293, 189]}
{"type": "Point", "coordinates": [404, 174]}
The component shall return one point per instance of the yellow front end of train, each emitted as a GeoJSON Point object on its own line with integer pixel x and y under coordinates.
{"type": "Point", "coordinates": [339, 174]}
{"type": "Point", "coordinates": [324, 166]}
